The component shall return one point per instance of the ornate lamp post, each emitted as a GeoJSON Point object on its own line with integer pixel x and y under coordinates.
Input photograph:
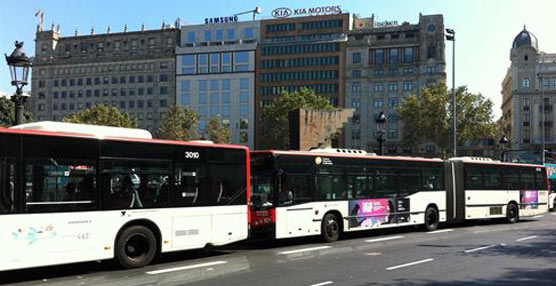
{"type": "Point", "coordinates": [19, 65]}
{"type": "Point", "coordinates": [503, 142]}
{"type": "Point", "coordinates": [381, 121]}
{"type": "Point", "coordinates": [451, 36]}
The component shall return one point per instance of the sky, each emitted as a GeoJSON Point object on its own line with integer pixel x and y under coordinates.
{"type": "Point", "coordinates": [484, 29]}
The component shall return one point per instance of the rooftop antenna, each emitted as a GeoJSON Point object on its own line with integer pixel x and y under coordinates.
{"type": "Point", "coordinates": [255, 11]}
{"type": "Point", "coordinates": [142, 27]}
{"type": "Point", "coordinates": [92, 31]}
{"type": "Point", "coordinates": [108, 30]}
{"type": "Point", "coordinates": [163, 24]}
{"type": "Point", "coordinates": [125, 28]}
{"type": "Point", "coordinates": [75, 32]}
{"type": "Point", "coordinates": [40, 25]}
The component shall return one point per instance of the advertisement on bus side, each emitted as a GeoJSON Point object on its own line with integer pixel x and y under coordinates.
{"type": "Point", "coordinates": [367, 213]}
{"type": "Point", "coordinates": [529, 199]}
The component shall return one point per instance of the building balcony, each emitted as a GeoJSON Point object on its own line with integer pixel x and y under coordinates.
{"type": "Point", "coordinates": [547, 107]}
{"type": "Point", "coordinates": [546, 123]}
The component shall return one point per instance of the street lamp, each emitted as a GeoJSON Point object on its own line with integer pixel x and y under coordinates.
{"type": "Point", "coordinates": [381, 126]}
{"type": "Point", "coordinates": [503, 142]}
{"type": "Point", "coordinates": [451, 36]}
{"type": "Point", "coordinates": [19, 65]}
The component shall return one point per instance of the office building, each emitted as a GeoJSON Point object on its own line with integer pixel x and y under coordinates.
{"type": "Point", "coordinates": [133, 71]}
{"type": "Point", "coordinates": [528, 96]}
{"type": "Point", "coordinates": [300, 52]}
{"type": "Point", "coordinates": [385, 63]}
{"type": "Point", "coordinates": [215, 71]}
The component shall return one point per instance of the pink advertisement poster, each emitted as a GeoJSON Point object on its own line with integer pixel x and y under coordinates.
{"type": "Point", "coordinates": [368, 213]}
{"type": "Point", "coordinates": [529, 199]}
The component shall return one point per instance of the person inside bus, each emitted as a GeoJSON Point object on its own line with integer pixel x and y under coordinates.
{"type": "Point", "coordinates": [86, 187]}
{"type": "Point", "coordinates": [130, 193]}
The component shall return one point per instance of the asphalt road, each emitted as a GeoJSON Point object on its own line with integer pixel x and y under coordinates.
{"type": "Point", "coordinates": [477, 253]}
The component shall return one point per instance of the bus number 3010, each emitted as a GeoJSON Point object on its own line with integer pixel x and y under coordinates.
{"type": "Point", "coordinates": [191, 155]}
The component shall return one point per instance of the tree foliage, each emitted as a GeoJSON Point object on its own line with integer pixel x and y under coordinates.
{"type": "Point", "coordinates": [179, 124]}
{"type": "Point", "coordinates": [275, 115]}
{"type": "Point", "coordinates": [217, 132]}
{"type": "Point", "coordinates": [7, 113]}
{"type": "Point", "coordinates": [428, 117]}
{"type": "Point", "coordinates": [104, 115]}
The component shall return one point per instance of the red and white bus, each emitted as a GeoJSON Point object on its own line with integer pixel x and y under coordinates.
{"type": "Point", "coordinates": [73, 193]}
{"type": "Point", "coordinates": [329, 191]}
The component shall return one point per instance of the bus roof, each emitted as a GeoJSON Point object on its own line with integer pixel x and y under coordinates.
{"type": "Point", "coordinates": [342, 155]}
{"type": "Point", "coordinates": [85, 129]}
{"type": "Point", "coordinates": [117, 137]}
{"type": "Point", "coordinates": [488, 161]}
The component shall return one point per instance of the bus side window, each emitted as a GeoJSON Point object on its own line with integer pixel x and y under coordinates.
{"type": "Point", "coordinates": [7, 185]}
{"type": "Point", "coordinates": [189, 181]}
{"type": "Point", "coordinates": [299, 188]}
{"type": "Point", "coordinates": [227, 184]}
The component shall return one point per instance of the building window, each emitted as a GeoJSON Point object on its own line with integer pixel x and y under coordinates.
{"type": "Point", "coordinates": [163, 103]}
{"type": "Point", "coordinates": [356, 87]}
{"type": "Point", "coordinates": [378, 103]}
{"type": "Point", "coordinates": [248, 33]}
{"type": "Point", "coordinates": [356, 58]}
{"type": "Point", "coordinates": [226, 62]}
{"type": "Point", "coordinates": [191, 37]}
{"type": "Point", "coordinates": [525, 83]}
{"type": "Point", "coordinates": [392, 87]}
{"type": "Point", "coordinates": [207, 36]}
{"type": "Point", "coordinates": [203, 63]}
{"type": "Point", "coordinates": [379, 57]}
{"type": "Point", "coordinates": [526, 103]}
{"type": "Point", "coordinates": [431, 51]}
{"type": "Point", "coordinates": [408, 55]}
{"type": "Point", "coordinates": [219, 35]}
{"type": "Point", "coordinates": [244, 110]}
{"type": "Point", "coordinates": [392, 133]}
{"type": "Point", "coordinates": [231, 34]}
{"type": "Point", "coordinates": [356, 104]}
{"type": "Point", "coordinates": [241, 61]}
{"type": "Point", "coordinates": [356, 73]}
{"type": "Point", "coordinates": [214, 63]}
{"type": "Point", "coordinates": [393, 56]}
{"type": "Point", "coordinates": [392, 102]}
{"type": "Point", "coordinates": [407, 85]}
{"type": "Point", "coordinates": [355, 134]}
{"type": "Point", "coordinates": [378, 87]}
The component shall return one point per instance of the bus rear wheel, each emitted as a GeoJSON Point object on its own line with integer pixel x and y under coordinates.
{"type": "Point", "coordinates": [135, 247]}
{"type": "Point", "coordinates": [431, 219]}
{"type": "Point", "coordinates": [512, 213]}
{"type": "Point", "coordinates": [330, 228]}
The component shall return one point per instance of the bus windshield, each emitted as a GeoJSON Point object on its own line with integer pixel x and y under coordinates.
{"type": "Point", "coordinates": [261, 190]}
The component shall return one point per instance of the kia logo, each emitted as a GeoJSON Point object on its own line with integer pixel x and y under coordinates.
{"type": "Point", "coordinates": [281, 12]}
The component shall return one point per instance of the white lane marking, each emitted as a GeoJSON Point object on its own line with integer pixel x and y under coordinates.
{"type": "Point", "coordinates": [538, 216]}
{"type": "Point", "coordinates": [553, 214]}
{"type": "Point", "coordinates": [304, 250]}
{"type": "Point", "coordinates": [186, 267]}
{"type": "Point", "coordinates": [323, 283]}
{"type": "Point", "coordinates": [479, 248]}
{"type": "Point", "coordinates": [409, 264]}
{"type": "Point", "coordinates": [373, 254]}
{"type": "Point", "coordinates": [441, 231]}
{"type": "Point", "coordinates": [526, 238]}
{"type": "Point", "coordinates": [384, 238]}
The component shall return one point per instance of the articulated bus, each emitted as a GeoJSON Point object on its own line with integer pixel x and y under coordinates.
{"type": "Point", "coordinates": [73, 193]}
{"type": "Point", "coordinates": [329, 191]}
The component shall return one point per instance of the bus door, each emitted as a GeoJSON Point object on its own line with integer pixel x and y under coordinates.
{"type": "Point", "coordinates": [294, 217]}
{"type": "Point", "coordinates": [455, 191]}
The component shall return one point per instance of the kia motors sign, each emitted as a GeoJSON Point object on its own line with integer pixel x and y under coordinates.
{"type": "Point", "coordinates": [282, 12]}
{"type": "Point", "coordinates": [285, 12]}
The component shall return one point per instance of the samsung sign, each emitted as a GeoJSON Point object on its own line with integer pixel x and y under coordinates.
{"type": "Point", "coordinates": [285, 12]}
{"type": "Point", "coordinates": [229, 19]}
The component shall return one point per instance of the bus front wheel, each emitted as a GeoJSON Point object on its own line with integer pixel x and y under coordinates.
{"type": "Point", "coordinates": [330, 229]}
{"type": "Point", "coordinates": [512, 213]}
{"type": "Point", "coordinates": [431, 219]}
{"type": "Point", "coordinates": [135, 247]}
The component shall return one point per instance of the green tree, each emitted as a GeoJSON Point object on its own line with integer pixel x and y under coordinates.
{"type": "Point", "coordinates": [217, 132]}
{"type": "Point", "coordinates": [275, 115]}
{"type": "Point", "coordinates": [7, 112]}
{"type": "Point", "coordinates": [179, 124]}
{"type": "Point", "coordinates": [428, 117]}
{"type": "Point", "coordinates": [103, 115]}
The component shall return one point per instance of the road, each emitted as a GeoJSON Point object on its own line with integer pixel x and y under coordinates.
{"type": "Point", "coordinates": [478, 253]}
